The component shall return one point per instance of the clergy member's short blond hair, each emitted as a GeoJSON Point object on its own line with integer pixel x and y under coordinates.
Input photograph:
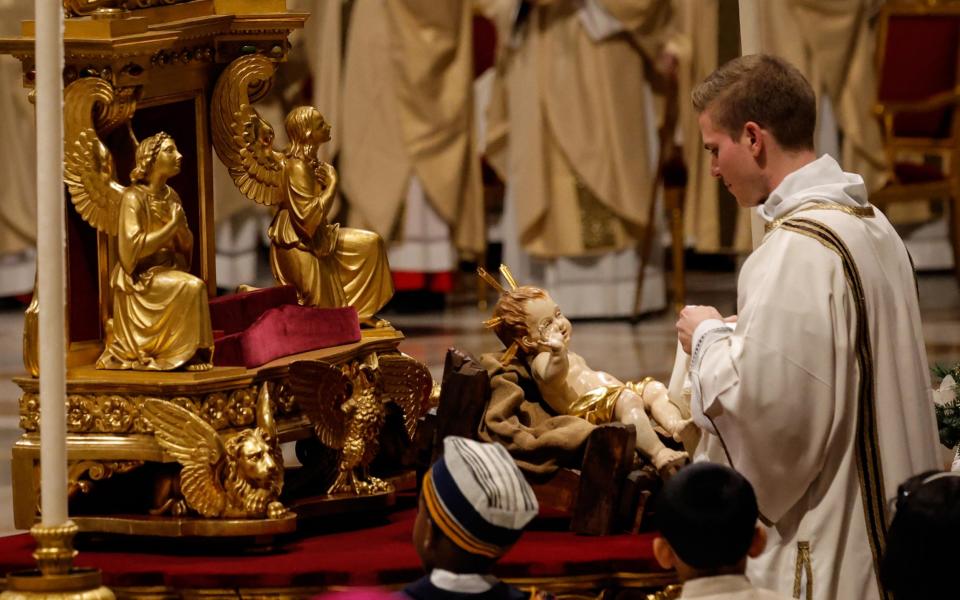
{"type": "Point", "coordinates": [766, 90]}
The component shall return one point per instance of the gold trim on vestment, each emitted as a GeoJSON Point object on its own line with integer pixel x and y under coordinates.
{"type": "Point", "coordinates": [869, 464]}
{"type": "Point", "coordinates": [804, 566]}
{"type": "Point", "coordinates": [861, 212]}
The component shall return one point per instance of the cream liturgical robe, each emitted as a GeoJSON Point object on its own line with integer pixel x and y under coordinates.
{"type": "Point", "coordinates": [833, 43]}
{"type": "Point", "coordinates": [726, 587]}
{"type": "Point", "coordinates": [570, 132]}
{"type": "Point", "coordinates": [18, 205]}
{"type": "Point", "coordinates": [820, 396]}
{"type": "Point", "coordinates": [406, 114]}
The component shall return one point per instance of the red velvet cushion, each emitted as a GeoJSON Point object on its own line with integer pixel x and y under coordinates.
{"type": "Point", "coordinates": [381, 553]}
{"type": "Point", "coordinates": [228, 350]}
{"type": "Point", "coordinates": [920, 60]}
{"type": "Point", "coordinates": [908, 172]}
{"type": "Point", "coordinates": [292, 328]}
{"type": "Point", "coordinates": [235, 312]}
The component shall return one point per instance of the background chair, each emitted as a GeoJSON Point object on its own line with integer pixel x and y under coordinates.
{"type": "Point", "coordinates": [918, 66]}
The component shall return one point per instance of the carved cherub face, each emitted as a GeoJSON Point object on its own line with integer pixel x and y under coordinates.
{"type": "Point", "coordinates": [256, 460]}
{"type": "Point", "coordinates": [167, 163]}
{"type": "Point", "coordinates": [545, 321]}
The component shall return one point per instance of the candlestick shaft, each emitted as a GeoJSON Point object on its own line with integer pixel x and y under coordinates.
{"type": "Point", "coordinates": [50, 262]}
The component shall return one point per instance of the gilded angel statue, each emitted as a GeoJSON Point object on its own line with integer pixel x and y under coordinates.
{"type": "Point", "coordinates": [160, 318]}
{"type": "Point", "coordinates": [241, 477]}
{"type": "Point", "coordinates": [329, 265]}
{"type": "Point", "coordinates": [345, 404]}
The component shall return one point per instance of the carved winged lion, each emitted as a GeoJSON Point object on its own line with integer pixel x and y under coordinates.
{"type": "Point", "coordinates": [345, 404]}
{"type": "Point", "coordinates": [241, 477]}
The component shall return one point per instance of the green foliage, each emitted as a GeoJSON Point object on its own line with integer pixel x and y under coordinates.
{"type": "Point", "coordinates": [948, 413]}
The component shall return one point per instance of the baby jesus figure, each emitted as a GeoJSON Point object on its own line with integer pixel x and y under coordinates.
{"type": "Point", "coordinates": [531, 326]}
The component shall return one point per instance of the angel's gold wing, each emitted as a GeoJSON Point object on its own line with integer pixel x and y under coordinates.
{"type": "Point", "coordinates": [197, 447]}
{"type": "Point", "coordinates": [320, 390]}
{"type": "Point", "coordinates": [408, 384]}
{"type": "Point", "coordinates": [243, 140]}
{"type": "Point", "coordinates": [87, 164]}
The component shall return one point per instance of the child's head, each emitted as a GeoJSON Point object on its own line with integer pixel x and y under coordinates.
{"type": "Point", "coordinates": [473, 507]}
{"type": "Point", "coordinates": [707, 518]}
{"type": "Point", "coordinates": [918, 562]}
{"type": "Point", "coordinates": [525, 315]}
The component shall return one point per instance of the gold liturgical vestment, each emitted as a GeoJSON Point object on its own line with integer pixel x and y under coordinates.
{"type": "Point", "coordinates": [330, 266]}
{"type": "Point", "coordinates": [404, 109]}
{"type": "Point", "coordinates": [567, 128]}
{"type": "Point", "coordinates": [160, 314]}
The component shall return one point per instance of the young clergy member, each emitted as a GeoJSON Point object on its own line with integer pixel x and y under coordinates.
{"type": "Point", "coordinates": [707, 518]}
{"type": "Point", "coordinates": [474, 505]}
{"type": "Point", "coordinates": [819, 397]}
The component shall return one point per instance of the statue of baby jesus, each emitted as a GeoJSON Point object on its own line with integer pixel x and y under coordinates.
{"type": "Point", "coordinates": [531, 326]}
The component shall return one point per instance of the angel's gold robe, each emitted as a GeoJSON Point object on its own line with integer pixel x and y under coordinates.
{"type": "Point", "coordinates": [161, 318]}
{"type": "Point", "coordinates": [330, 266]}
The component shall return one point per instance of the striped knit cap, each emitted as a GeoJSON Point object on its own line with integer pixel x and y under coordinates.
{"type": "Point", "coordinates": [478, 497]}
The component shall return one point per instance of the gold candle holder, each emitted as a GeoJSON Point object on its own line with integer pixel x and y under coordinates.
{"type": "Point", "coordinates": [55, 576]}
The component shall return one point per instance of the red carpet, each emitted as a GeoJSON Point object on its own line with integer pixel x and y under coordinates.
{"type": "Point", "coordinates": [381, 554]}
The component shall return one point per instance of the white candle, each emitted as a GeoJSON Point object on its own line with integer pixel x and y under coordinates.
{"type": "Point", "coordinates": [50, 262]}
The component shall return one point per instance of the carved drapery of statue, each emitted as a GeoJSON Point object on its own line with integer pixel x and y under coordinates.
{"type": "Point", "coordinates": [160, 315]}
{"type": "Point", "coordinates": [160, 318]}
{"type": "Point", "coordinates": [330, 266]}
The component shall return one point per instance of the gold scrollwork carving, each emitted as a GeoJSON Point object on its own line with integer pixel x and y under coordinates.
{"type": "Point", "coordinates": [182, 56]}
{"type": "Point", "coordinates": [214, 410]}
{"type": "Point", "coordinates": [79, 8]}
{"type": "Point", "coordinates": [29, 412]}
{"type": "Point", "coordinates": [82, 475]}
{"type": "Point", "coordinates": [119, 413]}
{"type": "Point", "coordinates": [240, 408]}
{"type": "Point", "coordinates": [115, 415]}
{"type": "Point", "coordinates": [286, 402]}
{"type": "Point", "coordinates": [81, 413]}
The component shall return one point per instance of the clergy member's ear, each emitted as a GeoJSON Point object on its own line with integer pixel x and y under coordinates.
{"type": "Point", "coordinates": [663, 552]}
{"type": "Point", "coordinates": [754, 137]}
{"type": "Point", "coordinates": [759, 542]}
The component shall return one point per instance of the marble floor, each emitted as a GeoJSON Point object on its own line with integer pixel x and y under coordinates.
{"type": "Point", "coordinates": [628, 350]}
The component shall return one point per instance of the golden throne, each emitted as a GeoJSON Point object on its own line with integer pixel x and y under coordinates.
{"type": "Point", "coordinates": [155, 64]}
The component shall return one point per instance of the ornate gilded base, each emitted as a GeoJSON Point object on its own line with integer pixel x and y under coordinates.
{"type": "Point", "coordinates": [340, 504]}
{"type": "Point", "coordinates": [55, 577]}
{"type": "Point", "coordinates": [125, 479]}
{"type": "Point", "coordinates": [189, 527]}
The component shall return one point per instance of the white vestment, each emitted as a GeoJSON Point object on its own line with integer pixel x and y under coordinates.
{"type": "Point", "coordinates": [820, 397]}
{"type": "Point", "coordinates": [726, 587]}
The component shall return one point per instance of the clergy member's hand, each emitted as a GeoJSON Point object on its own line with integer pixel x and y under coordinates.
{"type": "Point", "coordinates": [690, 317]}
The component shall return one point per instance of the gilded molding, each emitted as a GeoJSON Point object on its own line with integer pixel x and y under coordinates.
{"type": "Point", "coordinates": [121, 413]}
{"type": "Point", "coordinates": [79, 8]}
{"type": "Point", "coordinates": [82, 475]}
